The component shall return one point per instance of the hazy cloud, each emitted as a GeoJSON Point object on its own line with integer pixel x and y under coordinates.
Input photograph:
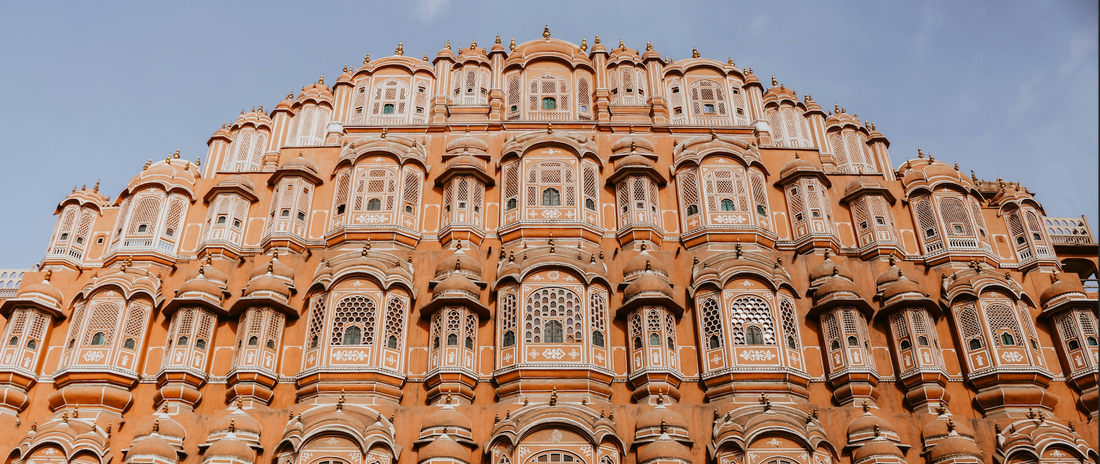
{"type": "Point", "coordinates": [428, 10]}
{"type": "Point", "coordinates": [758, 24]}
{"type": "Point", "coordinates": [930, 23]}
{"type": "Point", "coordinates": [1081, 48]}
{"type": "Point", "coordinates": [1025, 100]}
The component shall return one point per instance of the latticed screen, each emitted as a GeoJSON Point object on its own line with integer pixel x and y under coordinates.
{"type": "Point", "coordinates": [353, 321]}
{"type": "Point", "coordinates": [751, 311]}
{"type": "Point", "coordinates": [1002, 320]}
{"type": "Point", "coordinates": [553, 315]}
{"type": "Point", "coordinates": [395, 323]}
{"type": "Point", "coordinates": [712, 323]}
{"type": "Point", "coordinates": [955, 216]}
{"type": "Point", "coordinates": [551, 184]}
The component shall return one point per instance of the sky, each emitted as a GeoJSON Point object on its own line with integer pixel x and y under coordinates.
{"type": "Point", "coordinates": [1006, 88]}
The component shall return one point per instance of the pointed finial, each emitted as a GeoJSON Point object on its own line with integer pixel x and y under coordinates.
{"type": "Point", "coordinates": [956, 165]}
{"type": "Point", "coordinates": [147, 163]}
{"type": "Point", "coordinates": [498, 39]}
{"type": "Point", "coordinates": [473, 44]}
{"type": "Point", "coordinates": [597, 38]}
{"type": "Point", "coordinates": [546, 32]}
{"type": "Point", "coordinates": [384, 132]}
{"type": "Point", "coordinates": [920, 153]}
{"type": "Point", "coordinates": [668, 61]}
{"type": "Point", "coordinates": [648, 46]}
{"type": "Point", "coordinates": [549, 128]}
{"type": "Point", "coordinates": [878, 431]}
{"type": "Point", "coordinates": [366, 59]}
{"type": "Point", "coordinates": [836, 108]}
{"type": "Point", "coordinates": [713, 135]}
{"type": "Point", "coordinates": [400, 49]}
{"type": "Point", "coordinates": [621, 44]}
{"type": "Point", "coordinates": [49, 275]}
{"type": "Point", "coordinates": [554, 396]}
{"type": "Point", "coordinates": [842, 110]}
{"type": "Point", "coordinates": [425, 57]}
{"type": "Point", "coordinates": [584, 44]}
{"type": "Point", "coordinates": [512, 46]}
{"type": "Point", "coordinates": [695, 52]}
{"type": "Point", "coordinates": [866, 404]}
{"type": "Point", "coordinates": [729, 61]}
{"type": "Point", "coordinates": [775, 83]}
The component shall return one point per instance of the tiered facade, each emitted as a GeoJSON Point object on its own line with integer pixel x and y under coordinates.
{"type": "Point", "coordinates": [544, 253]}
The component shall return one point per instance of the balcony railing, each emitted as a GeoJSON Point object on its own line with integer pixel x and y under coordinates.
{"type": "Point", "coordinates": [1069, 231]}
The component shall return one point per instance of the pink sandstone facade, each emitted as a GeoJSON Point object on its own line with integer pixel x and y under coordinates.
{"type": "Point", "coordinates": [549, 253]}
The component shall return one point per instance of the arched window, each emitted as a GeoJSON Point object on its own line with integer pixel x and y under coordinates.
{"type": "Point", "coordinates": [129, 344]}
{"type": "Point", "coordinates": [753, 335]}
{"type": "Point", "coordinates": [509, 338]}
{"type": "Point", "coordinates": [727, 205]}
{"type": "Point", "coordinates": [390, 98]}
{"type": "Point", "coordinates": [374, 204]}
{"type": "Point", "coordinates": [554, 305]}
{"type": "Point", "coordinates": [956, 217]}
{"type": "Point", "coordinates": [712, 323]}
{"type": "Point", "coordinates": [553, 332]}
{"type": "Point", "coordinates": [548, 94]}
{"type": "Point", "coordinates": [1007, 340]}
{"type": "Point", "coordinates": [726, 190]}
{"type": "Point", "coordinates": [358, 312]}
{"type": "Point", "coordinates": [551, 184]}
{"type": "Point", "coordinates": [452, 339]}
{"type": "Point", "coordinates": [551, 197]}
{"type": "Point", "coordinates": [708, 101]}
{"type": "Point", "coordinates": [751, 314]}
{"type": "Point", "coordinates": [352, 336]}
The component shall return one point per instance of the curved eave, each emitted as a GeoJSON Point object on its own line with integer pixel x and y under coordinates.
{"type": "Point", "coordinates": [465, 169]}
{"type": "Point", "coordinates": [294, 172]}
{"type": "Point", "coordinates": [209, 302]}
{"type": "Point", "coordinates": [863, 190]}
{"type": "Point", "coordinates": [908, 300]}
{"type": "Point", "coordinates": [578, 149]}
{"type": "Point", "coordinates": [454, 300]}
{"type": "Point", "coordinates": [236, 188]}
{"type": "Point", "coordinates": [801, 172]}
{"type": "Point", "coordinates": [42, 304]}
{"type": "Point", "coordinates": [168, 187]}
{"type": "Point", "coordinates": [650, 299]}
{"type": "Point", "coordinates": [1057, 304]}
{"type": "Point", "coordinates": [246, 302]}
{"type": "Point", "coordinates": [82, 202]}
{"type": "Point", "coordinates": [842, 299]}
{"type": "Point", "coordinates": [636, 169]}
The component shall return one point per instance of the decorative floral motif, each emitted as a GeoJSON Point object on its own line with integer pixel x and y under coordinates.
{"type": "Point", "coordinates": [93, 356]}
{"type": "Point", "coordinates": [350, 355]}
{"type": "Point", "coordinates": [757, 355]}
{"type": "Point", "coordinates": [553, 353]}
{"type": "Point", "coordinates": [1011, 356]}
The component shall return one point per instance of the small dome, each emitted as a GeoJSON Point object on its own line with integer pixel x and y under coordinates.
{"type": "Point", "coordinates": [836, 286]}
{"type": "Point", "coordinates": [241, 421]}
{"type": "Point", "coordinates": [862, 183]}
{"type": "Point", "coordinates": [165, 426]}
{"type": "Point", "coordinates": [43, 288]}
{"type": "Point", "coordinates": [278, 269]}
{"type": "Point", "coordinates": [659, 415]}
{"type": "Point", "coordinates": [939, 428]}
{"type": "Point", "coordinates": [200, 285]}
{"type": "Point", "coordinates": [237, 180]}
{"type": "Point", "coordinates": [456, 282]}
{"type": "Point", "coordinates": [444, 447]}
{"type": "Point", "coordinates": [267, 283]}
{"type": "Point", "coordinates": [447, 416]}
{"type": "Point", "coordinates": [647, 283]}
{"type": "Point", "coordinates": [825, 269]}
{"type": "Point", "coordinates": [1067, 283]}
{"type": "Point", "coordinates": [663, 448]}
{"type": "Point", "coordinates": [641, 262]}
{"type": "Point", "coordinates": [458, 261]}
{"type": "Point", "coordinates": [633, 160]}
{"type": "Point", "coordinates": [300, 163]}
{"type": "Point", "coordinates": [954, 444]}
{"type": "Point", "coordinates": [152, 446]}
{"type": "Point", "coordinates": [231, 448]}
{"type": "Point", "coordinates": [867, 422]}
{"type": "Point", "coordinates": [798, 165]}
{"type": "Point", "coordinates": [880, 447]}
{"type": "Point", "coordinates": [900, 286]}
{"type": "Point", "coordinates": [888, 276]}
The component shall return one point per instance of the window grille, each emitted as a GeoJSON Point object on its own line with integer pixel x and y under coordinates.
{"type": "Point", "coordinates": [712, 323]}
{"type": "Point", "coordinates": [1067, 327]}
{"type": "Point", "coordinates": [926, 219]}
{"type": "Point", "coordinates": [395, 323]}
{"type": "Point", "coordinates": [790, 324]}
{"type": "Point", "coordinates": [1000, 319]}
{"type": "Point", "coordinates": [751, 310]}
{"type": "Point", "coordinates": [555, 175]}
{"type": "Point", "coordinates": [689, 193]}
{"type": "Point", "coordinates": [1088, 322]}
{"type": "Point", "coordinates": [598, 314]}
{"type": "Point", "coordinates": [954, 212]}
{"type": "Point", "coordinates": [145, 214]}
{"type": "Point", "coordinates": [357, 311]}
{"type": "Point", "coordinates": [103, 317]}
{"type": "Point", "coordinates": [551, 305]}
{"type": "Point", "coordinates": [514, 97]}
{"type": "Point", "coordinates": [316, 321]}
{"type": "Point", "coordinates": [584, 100]}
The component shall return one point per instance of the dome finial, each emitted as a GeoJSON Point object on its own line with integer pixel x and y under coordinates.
{"type": "Point", "coordinates": [597, 40]}
{"type": "Point", "coordinates": [473, 43]}
{"type": "Point", "coordinates": [549, 128]}
{"type": "Point", "coordinates": [498, 39]}
{"type": "Point", "coordinates": [546, 32]}
{"type": "Point", "coordinates": [648, 46]}
{"type": "Point", "coordinates": [366, 59]}
{"type": "Point", "coordinates": [775, 83]}
{"type": "Point", "coordinates": [695, 52]}
{"type": "Point", "coordinates": [176, 155]}
{"type": "Point", "coordinates": [584, 44]}
{"type": "Point", "coordinates": [447, 45]}
{"type": "Point", "coordinates": [147, 164]}
{"type": "Point", "coordinates": [512, 46]}
{"type": "Point", "coordinates": [920, 153]}
{"type": "Point", "coordinates": [321, 80]}
{"type": "Point", "coordinates": [425, 57]}
{"type": "Point", "coordinates": [729, 61]}
{"type": "Point", "coordinates": [621, 44]}
{"type": "Point", "coordinates": [400, 49]}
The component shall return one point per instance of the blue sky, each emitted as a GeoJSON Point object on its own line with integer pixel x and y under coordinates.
{"type": "Point", "coordinates": [1006, 88]}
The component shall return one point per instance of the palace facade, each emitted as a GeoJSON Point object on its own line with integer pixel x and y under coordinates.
{"type": "Point", "coordinates": [548, 253]}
